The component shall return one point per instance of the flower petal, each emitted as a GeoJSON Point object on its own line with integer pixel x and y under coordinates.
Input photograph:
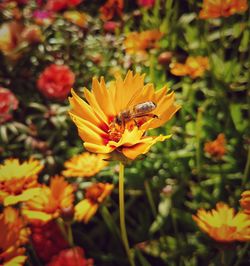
{"type": "Point", "coordinates": [141, 148]}
{"type": "Point", "coordinates": [26, 195]}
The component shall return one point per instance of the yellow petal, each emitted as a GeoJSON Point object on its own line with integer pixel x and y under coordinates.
{"type": "Point", "coordinates": [95, 106]}
{"type": "Point", "coordinates": [103, 97]}
{"type": "Point", "coordinates": [143, 147]}
{"type": "Point", "coordinates": [16, 261]}
{"type": "Point", "coordinates": [80, 108]}
{"type": "Point", "coordinates": [85, 210]}
{"type": "Point", "coordinates": [87, 131]}
{"type": "Point", "coordinates": [96, 148]}
{"type": "Point", "coordinates": [26, 195]}
{"type": "Point", "coordinates": [37, 215]}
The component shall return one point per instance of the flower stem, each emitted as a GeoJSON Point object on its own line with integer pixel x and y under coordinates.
{"type": "Point", "coordinates": [150, 198]}
{"type": "Point", "coordinates": [70, 234]}
{"type": "Point", "coordinates": [122, 214]}
{"type": "Point", "coordinates": [243, 252]}
{"type": "Point", "coordinates": [247, 169]}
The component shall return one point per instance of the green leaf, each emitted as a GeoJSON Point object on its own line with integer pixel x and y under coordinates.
{"type": "Point", "coordinates": [236, 114]}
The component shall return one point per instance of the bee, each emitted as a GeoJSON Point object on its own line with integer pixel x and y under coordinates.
{"type": "Point", "coordinates": [132, 114]}
{"type": "Point", "coordinates": [137, 111]}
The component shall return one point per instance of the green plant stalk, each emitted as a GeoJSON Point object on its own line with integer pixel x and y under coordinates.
{"type": "Point", "coordinates": [198, 137]}
{"type": "Point", "coordinates": [243, 252]}
{"type": "Point", "coordinates": [122, 214]}
{"type": "Point", "coordinates": [70, 234]}
{"type": "Point", "coordinates": [247, 168]}
{"type": "Point", "coordinates": [150, 198]}
{"type": "Point", "coordinates": [152, 67]}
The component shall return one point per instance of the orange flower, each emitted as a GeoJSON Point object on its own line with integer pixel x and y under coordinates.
{"type": "Point", "coordinates": [78, 18]}
{"type": "Point", "coordinates": [217, 147]}
{"type": "Point", "coordinates": [13, 236]}
{"type": "Point", "coordinates": [13, 35]}
{"type": "Point", "coordinates": [245, 201]}
{"type": "Point", "coordinates": [223, 225]}
{"type": "Point", "coordinates": [116, 118]}
{"type": "Point", "coordinates": [139, 42]}
{"type": "Point", "coordinates": [193, 67]}
{"type": "Point", "coordinates": [51, 202]}
{"type": "Point", "coordinates": [222, 8]}
{"type": "Point", "coordinates": [84, 165]}
{"type": "Point", "coordinates": [18, 182]}
{"type": "Point", "coordinates": [94, 196]}
{"type": "Point", "coordinates": [71, 257]}
{"type": "Point", "coordinates": [111, 9]}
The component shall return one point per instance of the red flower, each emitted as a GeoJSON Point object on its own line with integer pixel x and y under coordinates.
{"type": "Point", "coordinates": [146, 3]}
{"type": "Point", "coordinates": [71, 257]}
{"type": "Point", "coordinates": [47, 240]}
{"type": "Point", "coordinates": [56, 81]}
{"type": "Point", "coordinates": [111, 26]}
{"type": "Point", "coordinates": [8, 102]}
{"type": "Point", "coordinates": [57, 5]}
{"type": "Point", "coordinates": [111, 9]}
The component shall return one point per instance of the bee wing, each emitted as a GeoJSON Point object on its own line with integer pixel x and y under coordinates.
{"type": "Point", "coordinates": [133, 98]}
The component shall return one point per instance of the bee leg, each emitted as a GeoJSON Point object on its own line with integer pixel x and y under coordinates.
{"type": "Point", "coordinates": [136, 123]}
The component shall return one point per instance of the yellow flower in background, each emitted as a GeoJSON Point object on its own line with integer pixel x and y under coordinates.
{"type": "Point", "coordinates": [14, 34]}
{"type": "Point", "coordinates": [139, 42]}
{"type": "Point", "coordinates": [245, 201]}
{"type": "Point", "coordinates": [51, 202]}
{"type": "Point", "coordinates": [117, 116]}
{"type": "Point", "coordinates": [94, 196]}
{"type": "Point", "coordinates": [193, 67]}
{"type": "Point", "coordinates": [18, 181]}
{"type": "Point", "coordinates": [13, 235]}
{"type": "Point", "coordinates": [84, 165]}
{"type": "Point", "coordinates": [78, 18]}
{"type": "Point", "coordinates": [222, 8]}
{"type": "Point", "coordinates": [223, 225]}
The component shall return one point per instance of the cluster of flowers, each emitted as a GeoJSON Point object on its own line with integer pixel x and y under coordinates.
{"type": "Point", "coordinates": [31, 208]}
{"type": "Point", "coordinates": [56, 80]}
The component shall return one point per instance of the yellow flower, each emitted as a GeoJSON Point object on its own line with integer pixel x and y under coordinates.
{"type": "Point", "coordinates": [18, 182]}
{"type": "Point", "coordinates": [222, 8]}
{"type": "Point", "coordinates": [13, 35]}
{"type": "Point", "coordinates": [193, 67]}
{"type": "Point", "coordinates": [245, 201]}
{"type": "Point", "coordinates": [13, 236]}
{"type": "Point", "coordinates": [78, 18]}
{"type": "Point", "coordinates": [117, 117]}
{"type": "Point", "coordinates": [139, 42]}
{"type": "Point", "coordinates": [51, 202]}
{"type": "Point", "coordinates": [94, 196]}
{"type": "Point", "coordinates": [84, 165]}
{"type": "Point", "coordinates": [223, 225]}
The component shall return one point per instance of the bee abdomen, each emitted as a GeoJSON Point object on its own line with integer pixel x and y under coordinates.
{"type": "Point", "coordinates": [145, 107]}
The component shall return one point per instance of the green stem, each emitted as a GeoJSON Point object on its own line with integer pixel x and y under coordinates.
{"type": "Point", "coordinates": [70, 234]}
{"type": "Point", "coordinates": [122, 215]}
{"type": "Point", "coordinates": [247, 168]}
{"type": "Point", "coordinates": [198, 137]}
{"type": "Point", "coordinates": [243, 252]}
{"type": "Point", "coordinates": [150, 198]}
{"type": "Point", "coordinates": [152, 67]}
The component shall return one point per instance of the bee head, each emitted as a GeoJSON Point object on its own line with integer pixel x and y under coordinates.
{"type": "Point", "coordinates": [118, 120]}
